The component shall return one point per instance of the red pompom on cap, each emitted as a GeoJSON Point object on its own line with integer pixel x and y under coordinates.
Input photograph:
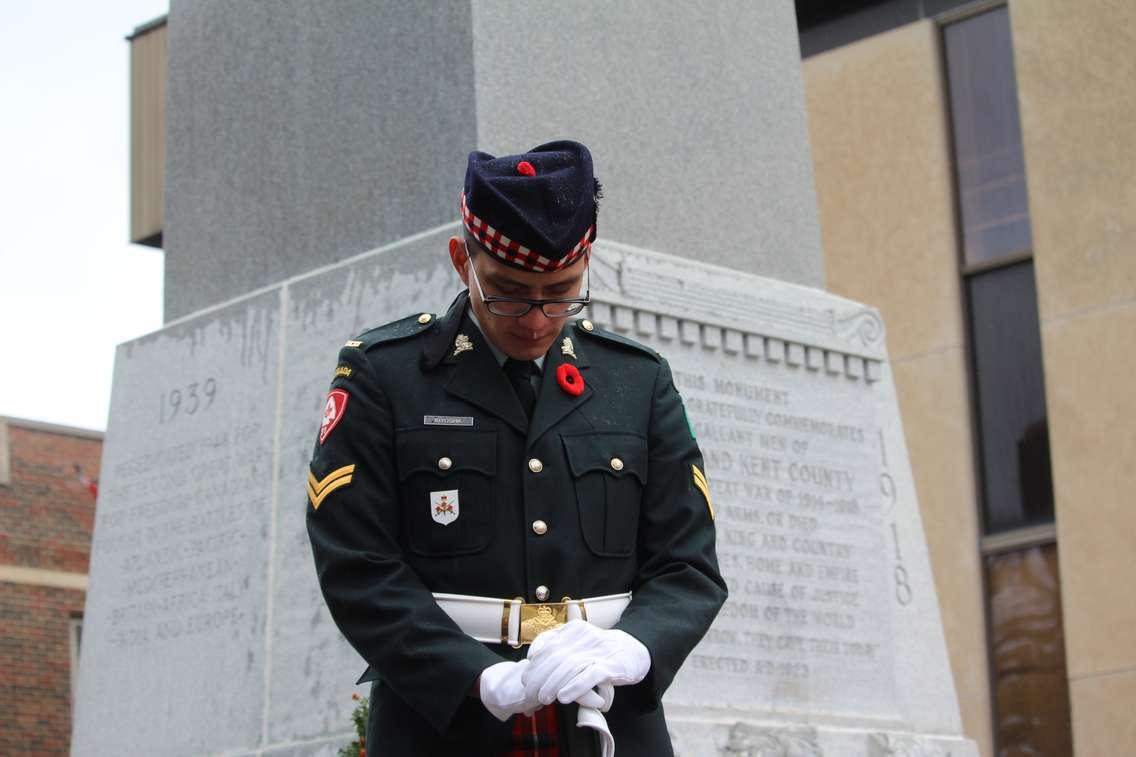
{"type": "Point", "coordinates": [526, 169]}
{"type": "Point", "coordinates": [570, 380]}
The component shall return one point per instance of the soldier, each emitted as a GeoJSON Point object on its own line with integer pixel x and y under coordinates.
{"type": "Point", "coordinates": [508, 471]}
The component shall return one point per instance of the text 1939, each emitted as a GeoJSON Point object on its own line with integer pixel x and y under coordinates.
{"type": "Point", "coordinates": [188, 400]}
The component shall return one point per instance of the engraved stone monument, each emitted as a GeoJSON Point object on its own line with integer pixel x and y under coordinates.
{"type": "Point", "coordinates": [206, 622]}
{"type": "Point", "coordinates": [205, 632]}
{"type": "Point", "coordinates": [830, 642]}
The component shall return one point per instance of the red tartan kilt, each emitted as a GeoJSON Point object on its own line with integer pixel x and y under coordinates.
{"type": "Point", "coordinates": [536, 736]}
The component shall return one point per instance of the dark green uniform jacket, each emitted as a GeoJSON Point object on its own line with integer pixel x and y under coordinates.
{"type": "Point", "coordinates": [419, 392]}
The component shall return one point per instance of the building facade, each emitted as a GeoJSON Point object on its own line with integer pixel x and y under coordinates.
{"type": "Point", "coordinates": [48, 486]}
{"type": "Point", "coordinates": [975, 181]}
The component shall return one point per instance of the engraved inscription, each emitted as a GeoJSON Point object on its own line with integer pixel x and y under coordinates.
{"type": "Point", "coordinates": [183, 519]}
{"type": "Point", "coordinates": [800, 535]}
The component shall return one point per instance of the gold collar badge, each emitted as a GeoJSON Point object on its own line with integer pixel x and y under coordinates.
{"type": "Point", "coordinates": [566, 348]}
{"type": "Point", "coordinates": [462, 344]}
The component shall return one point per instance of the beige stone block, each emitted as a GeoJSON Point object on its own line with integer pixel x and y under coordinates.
{"type": "Point", "coordinates": [1090, 362]}
{"type": "Point", "coordinates": [1076, 77]}
{"type": "Point", "coordinates": [1102, 714]}
{"type": "Point", "coordinates": [932, 391]}
{"type": "Point", "coordinates": [881, 162]}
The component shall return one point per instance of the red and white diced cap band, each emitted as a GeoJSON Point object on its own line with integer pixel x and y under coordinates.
{"type": "Point", "coordinates": [517, 255]}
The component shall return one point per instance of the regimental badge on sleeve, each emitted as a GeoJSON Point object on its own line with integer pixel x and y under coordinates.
{"type": "Point", "coordinates": [444, 507]}
{"type": "Point", "coordinates": [703, 486]}
{"type": "Point", "coordinates": [333, 409]}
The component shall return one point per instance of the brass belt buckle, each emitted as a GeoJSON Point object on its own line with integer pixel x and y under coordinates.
{"type": "Point", "coordinates": [538, 618]}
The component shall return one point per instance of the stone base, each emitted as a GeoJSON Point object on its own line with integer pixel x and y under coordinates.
{"type": "Point", "coordinates": [755, 738]}
{"type": "Point", "coordinates": [201, 565]}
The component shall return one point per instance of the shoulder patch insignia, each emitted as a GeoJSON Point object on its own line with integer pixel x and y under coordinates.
{"type": "Point", "coordinates": [333, 410]}
{"type": "Point", "coordinates": [319, 488]}
{"type": "Point", "coordinates": [703, 486]}
{"type": "Point", "coordinates": [686, 417]}
{"type": "Point", "coordinates": [344, 371]}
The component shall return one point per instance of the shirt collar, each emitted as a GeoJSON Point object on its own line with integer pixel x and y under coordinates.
{"type": "Point", "coordinates": [497, 353]}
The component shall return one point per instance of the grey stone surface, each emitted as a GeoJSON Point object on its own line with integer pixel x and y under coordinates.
{"type": "Point", "coordinates": [769, 737]}
{"type": "Point", "coordinates": [695, 112]}
{"type": "Point", "coordinates": [832, 618]}
{"type": "Point", "coordinates": [205, 630]}
{"type": "Point", "coordinates": [173, 656]}
{"type": "Point", "coordinates": [312, 668]}
{"type": "Point", "coordinates": [301, 133]}
{"type": "Point", "coordinates": [328, 747]}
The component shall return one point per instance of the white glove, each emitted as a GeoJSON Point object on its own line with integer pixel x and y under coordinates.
{"type": "Point", "coordinates": [502, 691]}
{"type": "Point", "coordinates": [566, 663]}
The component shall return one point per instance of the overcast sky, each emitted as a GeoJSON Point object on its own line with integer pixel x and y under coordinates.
{"type": "Point", "coordinates": [71, 287]}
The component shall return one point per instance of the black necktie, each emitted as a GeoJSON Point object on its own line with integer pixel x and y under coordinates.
{"type": "Point", "coordinates": [519, 373]}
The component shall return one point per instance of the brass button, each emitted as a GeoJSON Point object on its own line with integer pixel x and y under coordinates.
{"type": "Point", "coordinates": [424, 318]}
{"type": "Point", "coordinates": [586, 325]}
{"type": "Point", "coordinates": [540, 528]}
{"type": "Point", "coordinates": [444, 463]}
{"type": "Point", "coordinates": [536, 466]}
{"type": "Point", "coordinates": [541, 593]}
{"type": "Point", "coordinates": [616, 464]}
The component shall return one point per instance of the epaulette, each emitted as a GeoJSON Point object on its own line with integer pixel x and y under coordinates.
{"type": "Point", "coordinates": [392, 332]}
{"type": "Point", "coordinates": [588, 328]}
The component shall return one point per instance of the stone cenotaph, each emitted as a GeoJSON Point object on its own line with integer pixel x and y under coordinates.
{"type": "Point", "coordinates": [314, 158]}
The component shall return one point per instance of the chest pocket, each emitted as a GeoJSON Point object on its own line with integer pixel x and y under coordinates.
{"type": "Point", "coordinates": [446, 481]}
{"type": "Point", "coordinates": [609, 471]}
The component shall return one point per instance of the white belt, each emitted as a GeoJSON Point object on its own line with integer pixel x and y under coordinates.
{"type": "Point", "coordinates": [515, 622]}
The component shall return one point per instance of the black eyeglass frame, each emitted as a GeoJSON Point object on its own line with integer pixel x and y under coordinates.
{"type": "Point", "coordinates": [491, 300]}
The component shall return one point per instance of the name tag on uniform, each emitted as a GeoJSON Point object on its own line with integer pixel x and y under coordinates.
{"type": "Point", "coordinates": [444, 506]}
{"type": "Point", "coordinates": [447, 420]}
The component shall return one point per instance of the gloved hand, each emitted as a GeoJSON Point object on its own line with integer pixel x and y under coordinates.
{"type": "Point", "coordinates": [566, 663]}
{"type": "Point", "coordinates": [502, 691]}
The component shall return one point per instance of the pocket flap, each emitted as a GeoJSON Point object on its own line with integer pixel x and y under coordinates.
{"type": "Point", "coordinates": [445, 452]}
{"type": "Point", "coordinates": [615, 453]}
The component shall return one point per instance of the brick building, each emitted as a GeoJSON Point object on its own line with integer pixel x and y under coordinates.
{"type": "Point", "coordinates": [48, 485]}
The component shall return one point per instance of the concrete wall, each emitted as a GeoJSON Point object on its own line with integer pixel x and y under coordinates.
{"type": "Point", "coordinates": [881, 150]}
{"type": "Point", "coordinates": [1077, 89]}
{"type": "Point", "coordinates": [695, 112]}
{"type": "Point", "coordinates": [302, 133]}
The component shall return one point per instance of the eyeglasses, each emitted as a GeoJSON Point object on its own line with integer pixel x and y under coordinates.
{"type": "Point", "coordinates": [515, 307]}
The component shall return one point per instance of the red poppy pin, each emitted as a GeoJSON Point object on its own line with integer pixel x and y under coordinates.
{"type": "Point", "coordinates": [570, 380]}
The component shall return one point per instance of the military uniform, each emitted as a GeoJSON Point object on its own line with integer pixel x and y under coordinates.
{"type": "Point", "coordinates": [428, 476]}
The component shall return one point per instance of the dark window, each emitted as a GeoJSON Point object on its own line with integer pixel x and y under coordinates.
{"type": "Point", "coordinates": [826, 24]}
{"type": "Point", "coordinates": [1010, 388]}
{"type": "Point", "coordinates": [1031, 697]}
{"type": "Point", "coordinates": [75, 636]}
{"type": "Point", "coordinates": [1027, 648]}
{"type": "Point", "coordinates": [987, 138]}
